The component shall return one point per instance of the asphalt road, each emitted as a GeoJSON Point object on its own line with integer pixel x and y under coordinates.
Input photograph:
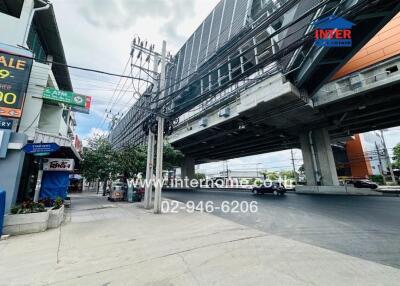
{"type": "Point", "coordinates": [364, 227]}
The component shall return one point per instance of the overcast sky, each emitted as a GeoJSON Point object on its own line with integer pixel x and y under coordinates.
{"type": "Point", "coordinates": [97, 34]}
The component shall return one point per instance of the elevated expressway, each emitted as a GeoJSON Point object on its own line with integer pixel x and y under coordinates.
{"type": "Point", "coordinates": [270, 115]}
{"type": "Point", "coordinates": [250, 80]}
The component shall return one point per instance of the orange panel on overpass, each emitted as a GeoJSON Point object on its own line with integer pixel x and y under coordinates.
{"type": "Point", "coordinates": [382, 46]}
{"type": "Point", "coordinates": [359, 162]}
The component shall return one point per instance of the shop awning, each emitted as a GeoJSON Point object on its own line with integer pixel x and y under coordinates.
{"type": "Point", "coordinates": [67, 147]}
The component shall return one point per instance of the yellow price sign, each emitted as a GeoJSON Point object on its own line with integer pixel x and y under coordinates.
{"type": "Point", "coordinates": [8, 98]}
{"type": "Point", "coordinates": [4, 74]}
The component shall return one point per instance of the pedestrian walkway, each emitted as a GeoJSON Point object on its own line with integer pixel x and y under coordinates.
{"type": "Point", "coordinates": [103, 243]}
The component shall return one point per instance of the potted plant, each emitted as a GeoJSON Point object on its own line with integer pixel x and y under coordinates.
{"type": "Point", "coordinates": [56, 213]}
{"type": "Point", "coordinates": [29, 217]}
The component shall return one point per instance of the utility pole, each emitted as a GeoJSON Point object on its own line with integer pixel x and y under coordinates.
{"type": "Point", "coordinates": [388, 158]}
{"type": "Point", "coordinates": [294, 167]}
{"type": "Point", "coordinates": [380, 163]}
{"type": "Point", "coordinates": [148, 194]}
{"type": "Point", "coordinates": [160, 137]}
{"type": "Point", "coordinates": [115, 117]}
{"type": "Point", "coordinates": [143, 48]}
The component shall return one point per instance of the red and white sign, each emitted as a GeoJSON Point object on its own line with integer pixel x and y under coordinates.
{"type": "Point", "coordinates": [77, 143]}
{"type": "Point", "coordinates": [57, 164]}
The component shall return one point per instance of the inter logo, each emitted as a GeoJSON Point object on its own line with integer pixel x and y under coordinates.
{"type": "Point", "coordinates": [333, 31]}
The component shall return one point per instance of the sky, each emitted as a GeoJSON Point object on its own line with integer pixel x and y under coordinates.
{"type": "Point", "coordinates": [97, 34]}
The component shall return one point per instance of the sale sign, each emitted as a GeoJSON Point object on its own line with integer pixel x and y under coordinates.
{"type": "Point", "coordinates": [14, 77]}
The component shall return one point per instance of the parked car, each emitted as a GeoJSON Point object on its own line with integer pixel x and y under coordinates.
{"type": "Point", "coordinates": [118, 191]}
{"type": "Point", "coordinates": [367, 184]}
{"type": "Point", "coordinates": [275, 188]}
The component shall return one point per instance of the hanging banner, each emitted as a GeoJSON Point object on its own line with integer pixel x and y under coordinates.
{"type": "Point", "coordinates": [14, 77]}
{"type": "Point", "coordinates": [57, 164]}
{"type": "Point", "coordinates": [67, 97]}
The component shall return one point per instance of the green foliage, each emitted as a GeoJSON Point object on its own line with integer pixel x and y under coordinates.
{"type": "Point", "coordinates": [396, 154]}
{"type": "Point", "coordinates": [58, 203]}
{"type": "Point", "coordinates": [28, 207]}
{"type": "Point", "coordinates": [377, 179]}
{"type": "Point", "coordinates": [172, 158]}
{"type": "Point", "coordinates": [131, 160]}
{"type": "Point", "coordinates": [99, 159]}
{"type": "Point", "coordinates": [286, 174]}
{"type": "Point", "coordinates": [199, 176]}
{"type": "Point", "coordinates": [273, 176]}
{"type": "Point", "coordinates": [47, 202]}
{"type": "Point", "coordinates": [101, 162]}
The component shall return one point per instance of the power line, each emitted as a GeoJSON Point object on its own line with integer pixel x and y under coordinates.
{"type": "Point", "coordinates": [72, 67]}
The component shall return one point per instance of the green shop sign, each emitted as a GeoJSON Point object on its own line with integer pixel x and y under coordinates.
{"type": "Point", "coordinates": [67, 97]}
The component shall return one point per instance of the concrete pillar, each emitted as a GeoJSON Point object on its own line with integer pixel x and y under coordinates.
{"type": "Point", "coordinates": [309, 168]}
{"type": "Point", "coordinates": [187, 169]}
{"type": "Point", "coordinates": [319, 163]}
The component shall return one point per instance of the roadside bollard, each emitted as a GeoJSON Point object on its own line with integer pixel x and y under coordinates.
{"type": "Point", "coordinates": [2, 209]}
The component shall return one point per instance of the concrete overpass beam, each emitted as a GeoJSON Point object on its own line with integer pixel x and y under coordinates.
{"type": "Point", "coordinates": [319, 163]}
{"type": "Point", "coordinates": [187, 169]}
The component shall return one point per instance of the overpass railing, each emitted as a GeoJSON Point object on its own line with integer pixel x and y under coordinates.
{"type": "Point", "coordinates": [377, 76]}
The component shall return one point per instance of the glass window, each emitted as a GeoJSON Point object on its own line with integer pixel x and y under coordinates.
{"type": "Point", "coordinates": [11, 7]}
{"type": "Point", "coordinates": [35, 44]}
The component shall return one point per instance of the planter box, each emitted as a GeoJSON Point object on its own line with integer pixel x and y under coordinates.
{"type": "Point", "coordinates": [25, 223]}
{"type": "Point", "coordinates": [56, 217]}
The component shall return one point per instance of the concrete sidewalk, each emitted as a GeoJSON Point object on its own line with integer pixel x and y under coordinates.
{"type": "Point", "coordinates": [104, 243]}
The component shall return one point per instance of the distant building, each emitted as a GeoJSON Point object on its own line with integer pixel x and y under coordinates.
{"type": "Point", "coordinates": [366, 155]}
{"type": "Point", "coordinates": [241, 174]}
{"type": "Point", "coordinates": [29, 36]}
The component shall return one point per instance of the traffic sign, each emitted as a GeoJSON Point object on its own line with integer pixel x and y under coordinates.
{"type": "Point", "coordinates": [33, 148]}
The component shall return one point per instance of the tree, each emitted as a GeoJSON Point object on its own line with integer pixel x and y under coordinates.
{"type": "Point", "coordinates": [172, 158]}
{"type": "Point", "coordinates": [99, 160]}
{"type": "Point", "coordinates": [301, 169]}
{"type": "Point", "coordinates": [199, 176]}
{"type": "Point", "coordinates": [396, 155]}
{"type": "Point", "coordinates": [132, 160]}
{"type": "Point", "coordinates": [273, 176]}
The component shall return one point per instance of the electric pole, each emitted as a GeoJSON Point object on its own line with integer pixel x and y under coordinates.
{"type": "Point", "coordinates": [141, 48]}
{"type": "Point", "coordinates": [148, 194]}
{"type": "Point", "coordinates": [294, 167]}
{"type": "Point", "coordinates": [160, 137]}
{"type": "Point", "coordinates": [388, 158]}
{"type": "Point", "coordinates": [114, 118]}
{"type": "Point", "coordinates": [380, 163]}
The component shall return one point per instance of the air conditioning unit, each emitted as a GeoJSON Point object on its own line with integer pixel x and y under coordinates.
{"type": "Point", "coordinates": [203, 122]}
{"type": "Point", "coordinates": [225, 112]}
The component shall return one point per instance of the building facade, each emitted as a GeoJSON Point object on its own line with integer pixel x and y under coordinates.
{"type": "Point", "coordinates": [29, 33]}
